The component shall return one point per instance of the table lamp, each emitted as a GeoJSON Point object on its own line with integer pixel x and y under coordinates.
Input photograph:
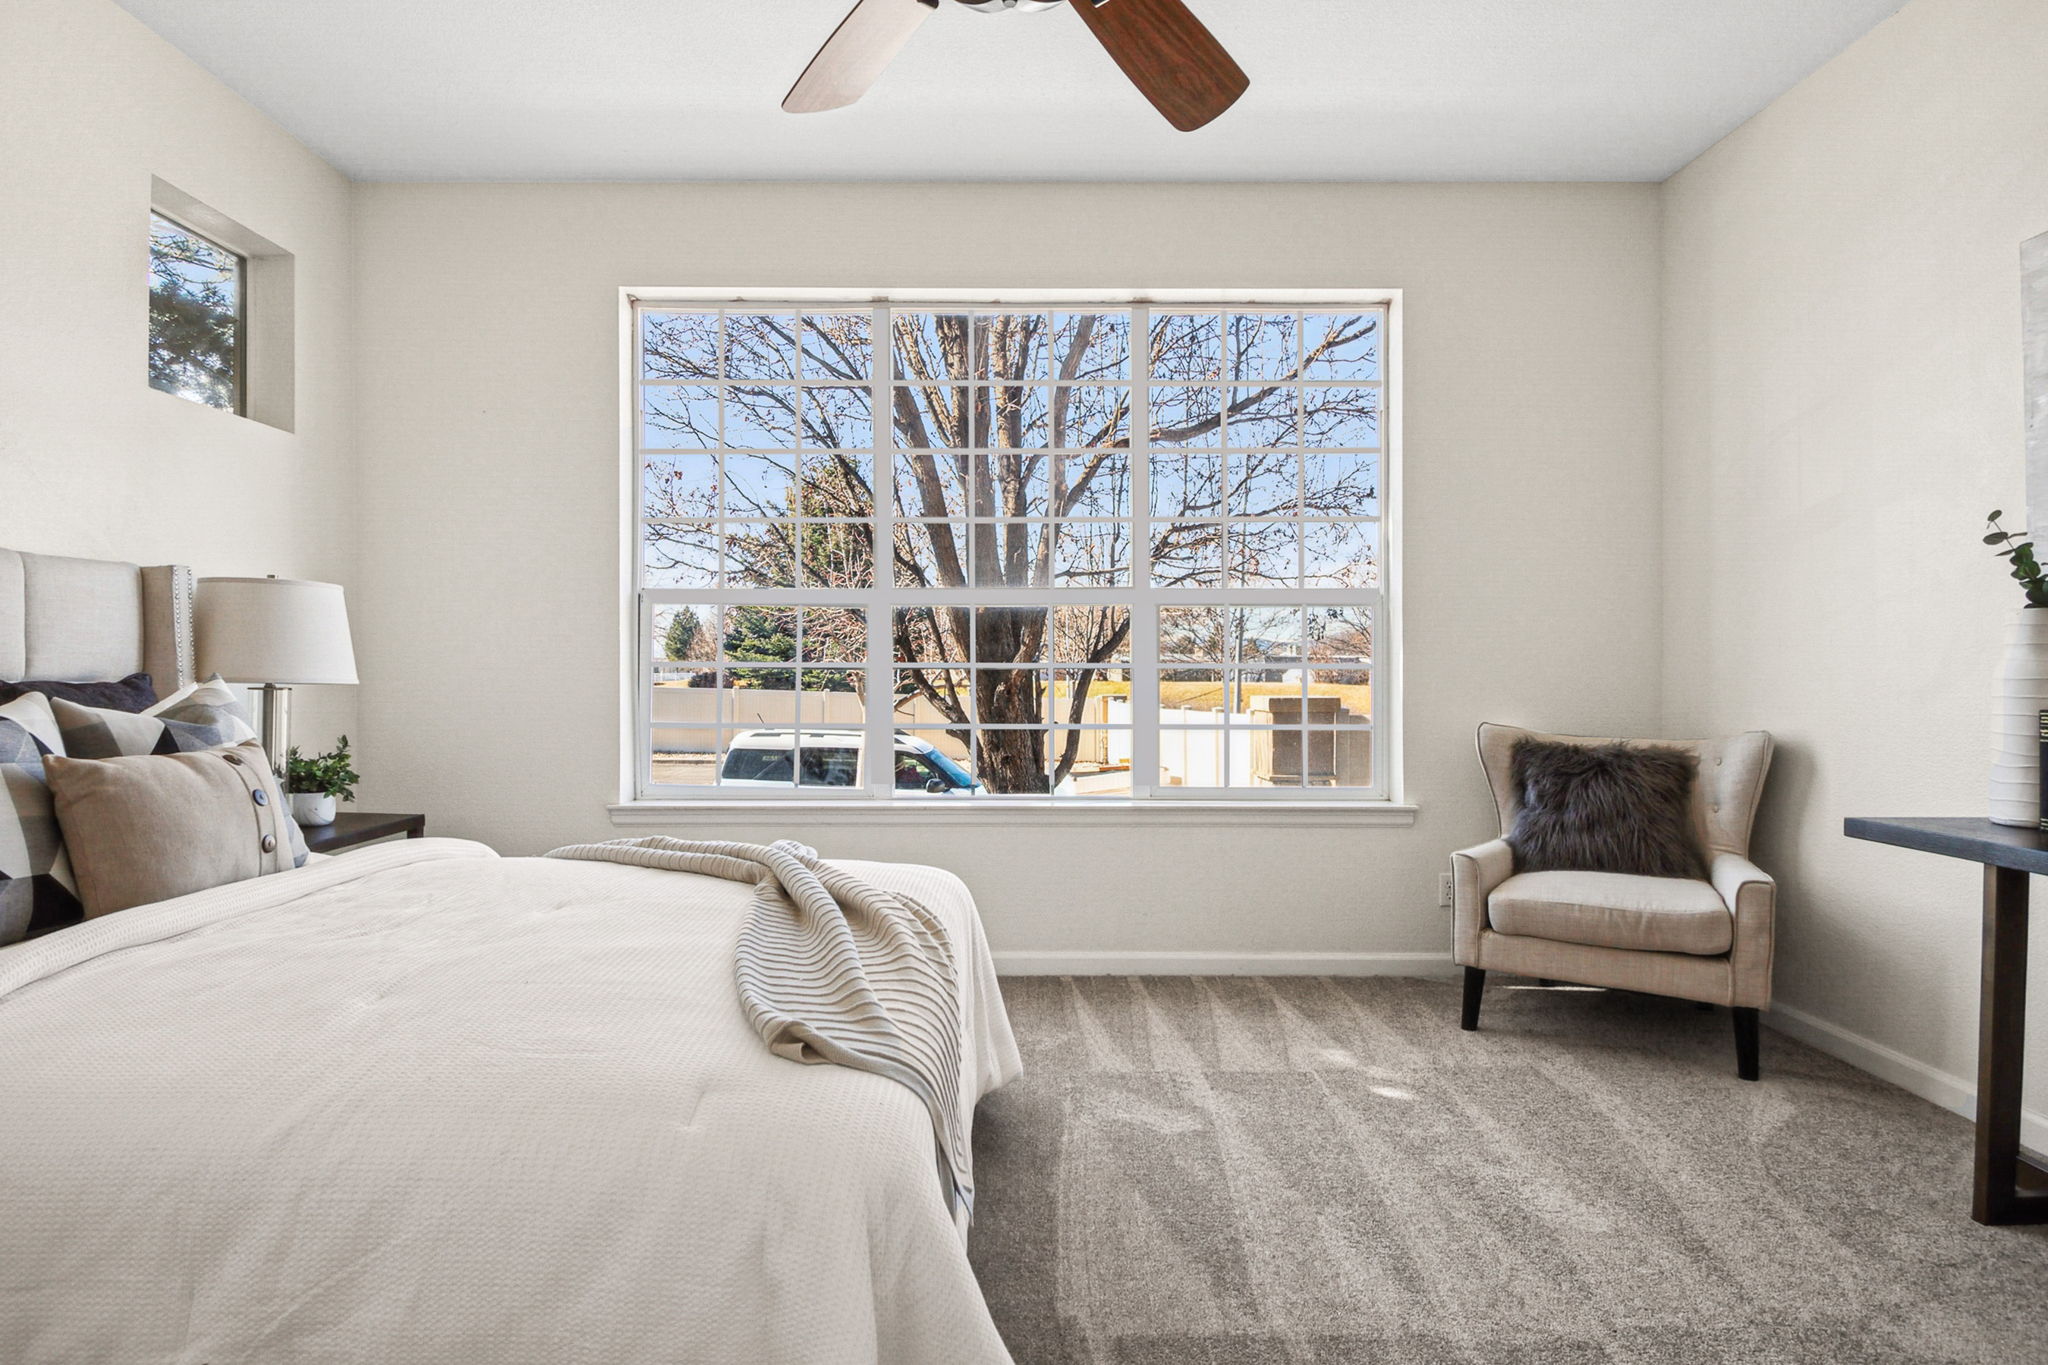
{"type": "Point", "coordinates": [276, 633]}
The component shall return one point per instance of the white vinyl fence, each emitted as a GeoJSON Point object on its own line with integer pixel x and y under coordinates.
{"type": "Point", "coordinates": [1194, 748]}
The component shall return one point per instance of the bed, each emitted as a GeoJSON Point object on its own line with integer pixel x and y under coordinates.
{"type": "Point", "coordinates": [423, 1103]}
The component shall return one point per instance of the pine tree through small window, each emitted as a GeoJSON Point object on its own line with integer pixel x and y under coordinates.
{"type": "Point", "coordinates": [196, 300]}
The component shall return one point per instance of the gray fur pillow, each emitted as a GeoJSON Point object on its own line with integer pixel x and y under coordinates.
{"type": "Point", "coordinates": [1604, 808]}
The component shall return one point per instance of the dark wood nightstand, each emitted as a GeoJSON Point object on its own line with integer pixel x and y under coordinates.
{"type": "Point", "coordinates": [352, 827]}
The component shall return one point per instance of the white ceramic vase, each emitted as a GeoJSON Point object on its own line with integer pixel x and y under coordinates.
{"type": "Point", "coordinates": [2017, 703]}
{"type": "Point", "coordinates": [312, 808]}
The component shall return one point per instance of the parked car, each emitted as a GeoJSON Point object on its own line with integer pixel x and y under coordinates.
{"type": "Point", "coordinates": [832, 758]}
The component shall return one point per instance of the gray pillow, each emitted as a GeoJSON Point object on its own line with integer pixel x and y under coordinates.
{"type": "Point", "coordinates": [207, 715]}
{"type": "Point", "coordinates": [133, 693]}
{"type": "Point", "coordinates": [156, 826]}
{"type": "Point", "coordinates": [37, 892]}
{"type": "Point", "coordinates": [204, 716]}
{"type": "Point", "coordinates": [1604, 808]}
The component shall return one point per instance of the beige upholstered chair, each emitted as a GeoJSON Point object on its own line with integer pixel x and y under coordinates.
{"type": "Point", "coordinates": [1709, 940]}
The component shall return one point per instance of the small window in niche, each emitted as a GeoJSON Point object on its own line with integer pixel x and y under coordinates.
{"type": "Point", "coordinates": [197, 316]}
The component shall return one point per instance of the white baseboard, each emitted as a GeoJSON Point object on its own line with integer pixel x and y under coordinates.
{"type": "Point", "coordinates": [1953, 1093]}
{"type": "Point", "coordinates": [1222, 964]}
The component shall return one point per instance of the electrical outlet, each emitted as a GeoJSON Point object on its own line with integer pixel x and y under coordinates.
{"type": "Point", "coordinates": [1443, 890]}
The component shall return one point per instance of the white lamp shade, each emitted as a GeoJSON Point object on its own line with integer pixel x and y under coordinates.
{"type": "Point", "coordinates": [273, 630]}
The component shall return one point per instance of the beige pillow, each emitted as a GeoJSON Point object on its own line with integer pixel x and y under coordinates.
{"type": "Point", "coordinates": [152, 827]}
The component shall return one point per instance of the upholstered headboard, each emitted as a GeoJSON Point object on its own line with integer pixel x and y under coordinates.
{"type": "Point", "coordinates": [89, 620]}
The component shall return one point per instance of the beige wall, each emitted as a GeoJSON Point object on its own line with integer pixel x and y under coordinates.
{"type": "Point", "coordinates": [1842, 406]}
{"type": "Point", "coordinates": [92, 460]}
{"type": "Point", "coordinates": [491, 474]}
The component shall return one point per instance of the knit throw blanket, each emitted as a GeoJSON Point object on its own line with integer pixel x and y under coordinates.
{"type": "Point", "coordinates": [832, 969]}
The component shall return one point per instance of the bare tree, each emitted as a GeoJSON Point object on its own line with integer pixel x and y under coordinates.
{"type": "Point", "coordinates": [1010, 436]}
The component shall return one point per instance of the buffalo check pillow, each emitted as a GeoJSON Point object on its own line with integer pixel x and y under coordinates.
{"type": "Point", "coordinates": [37, 891]}
{"type": "Point", "coordinates": [206, 715]}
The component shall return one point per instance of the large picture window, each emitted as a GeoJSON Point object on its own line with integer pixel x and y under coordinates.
{"type": "Point", "coordinates": [925, 552]}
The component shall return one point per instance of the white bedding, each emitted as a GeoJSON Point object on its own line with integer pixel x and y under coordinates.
{"type": "Point", "coordinates": [421, 1103]}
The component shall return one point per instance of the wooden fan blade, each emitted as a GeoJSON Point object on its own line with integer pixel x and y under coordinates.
{"type": "Point", "coordinates": [852, 59]}
{"type": "Point", "coordinates": [1175, 62]}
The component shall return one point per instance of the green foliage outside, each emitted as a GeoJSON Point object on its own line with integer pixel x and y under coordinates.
{"type": "Point", "coordinates": [194, 316]}
{"type": "Point", "coordinates": [683, 633]}
{"type": "Point", "coordinates": [767, 635]}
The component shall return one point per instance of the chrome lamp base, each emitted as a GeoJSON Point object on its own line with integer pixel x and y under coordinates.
{"type": "Point", "coordinates": [276, 719]}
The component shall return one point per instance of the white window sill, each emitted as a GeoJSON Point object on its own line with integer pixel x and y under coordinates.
{"type": "Point", "coordinates": [1266, 814]}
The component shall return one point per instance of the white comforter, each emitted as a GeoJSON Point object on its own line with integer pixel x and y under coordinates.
{"type": "Point", "coordinates": [423, 1104]}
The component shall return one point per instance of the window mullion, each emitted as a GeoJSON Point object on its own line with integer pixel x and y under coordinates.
{"type": "Point", "coordinates": [1144, 597]}
{"type": "Point", "coordinates": [880, 737]}
{"type": "Point", "coordinates": [642, 613]}
{"type": "Point", "coordinates": [1383, 743]}
{"type": "Point", "coordinates": [643, 697]}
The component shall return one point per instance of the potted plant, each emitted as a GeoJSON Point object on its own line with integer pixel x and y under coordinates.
{"type": "Point", "coordinates": [2022, 693]}
{"type": "Point", "coordinates": [315, 783]}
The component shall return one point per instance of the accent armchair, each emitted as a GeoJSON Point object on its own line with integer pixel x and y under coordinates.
{"type": "Point", "coordinates": [1697, 940]}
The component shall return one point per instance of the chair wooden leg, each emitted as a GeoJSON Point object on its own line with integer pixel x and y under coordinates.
{"type": "Point", "coordinates": [1475, 986]}
{"type": "Point", "coordinates": [1745, 1042]}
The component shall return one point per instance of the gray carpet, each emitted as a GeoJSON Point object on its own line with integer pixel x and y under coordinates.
{"type": "Point", "coordinates": [1317, 1170]}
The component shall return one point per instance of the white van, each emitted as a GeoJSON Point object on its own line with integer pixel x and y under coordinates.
{"type": "Point", "coordinates": [831, 758]}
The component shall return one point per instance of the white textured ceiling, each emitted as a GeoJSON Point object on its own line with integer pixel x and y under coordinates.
{"type": "Point", "coordinates": [689, 89]}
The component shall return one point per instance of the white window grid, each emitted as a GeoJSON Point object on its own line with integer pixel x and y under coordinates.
{"type": "Point", "coordinates": [1144, 599]}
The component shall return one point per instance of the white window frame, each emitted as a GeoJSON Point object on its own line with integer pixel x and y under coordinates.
{"type": "Point", "coordinates": [642, 801]}
{"type": "Point", "coordinates": [266, 369]}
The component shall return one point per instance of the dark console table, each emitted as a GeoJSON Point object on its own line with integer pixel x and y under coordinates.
{"type": "Point", "coordinates": [2008, 1188]}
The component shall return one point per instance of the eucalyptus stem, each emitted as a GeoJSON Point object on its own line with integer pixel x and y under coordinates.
{"type": "Point", "coordinates": [2020, 554]}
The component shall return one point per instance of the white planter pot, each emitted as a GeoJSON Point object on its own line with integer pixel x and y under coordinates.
{"type": "Point", "coordinates": [311, 808]}
{"type": "Point", "coordinates": [2017, 703]}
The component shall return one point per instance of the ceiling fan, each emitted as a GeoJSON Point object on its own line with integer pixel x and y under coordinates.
{"type": "Point", "coordinates": [1169, 56]}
